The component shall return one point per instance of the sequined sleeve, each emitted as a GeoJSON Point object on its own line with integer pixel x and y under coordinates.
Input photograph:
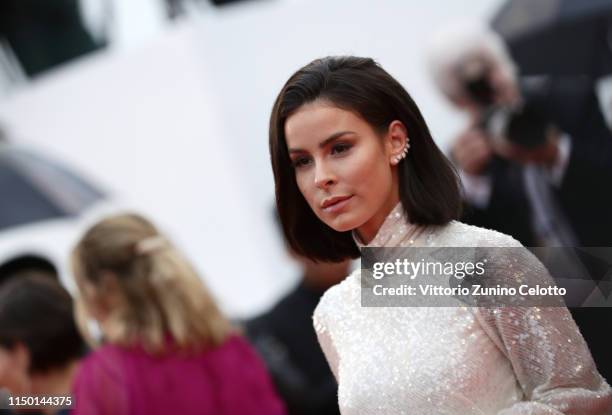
{"type": "Point", "coordinates": [325, 338]}
{"type": "Point", "coordinates": [550, 359]}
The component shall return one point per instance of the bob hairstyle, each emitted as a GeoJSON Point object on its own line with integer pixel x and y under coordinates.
{"type": "Point", "coordinates": [149, 291]}
{"type": "Point", "coordinates": [428, 184]}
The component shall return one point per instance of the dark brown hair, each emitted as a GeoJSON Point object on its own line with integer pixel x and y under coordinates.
{"type": "Point", "coordinates": [428, 184]}
{"type": "Point", "coordinates": [38, 312]}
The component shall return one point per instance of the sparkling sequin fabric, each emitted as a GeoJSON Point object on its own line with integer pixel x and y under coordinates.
{"type": "Point", "coordinates": [455, 360]}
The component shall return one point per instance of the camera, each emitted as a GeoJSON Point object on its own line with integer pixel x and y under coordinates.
{"type": "Point", "coordinates": [524, 124]}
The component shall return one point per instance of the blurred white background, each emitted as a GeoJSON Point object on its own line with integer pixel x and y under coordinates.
{"type": "Point", "coordinates": [172, 117]}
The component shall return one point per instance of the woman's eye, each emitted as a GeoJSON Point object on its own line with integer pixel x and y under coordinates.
{"type": "Point", "coordinates": [340, 148]}
{"type": "Point", "coordinates": [300, 162]}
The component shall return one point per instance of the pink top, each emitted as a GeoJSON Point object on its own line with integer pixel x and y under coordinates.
{"type": "Point", "coordinates": [227, 380]}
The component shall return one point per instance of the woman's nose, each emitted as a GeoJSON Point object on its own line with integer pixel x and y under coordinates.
{"type": "Point", "coordinates": [324, 177]}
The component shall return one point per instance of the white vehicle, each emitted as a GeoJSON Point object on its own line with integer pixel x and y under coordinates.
{"type": "Point", "coordinates": [44, 208]}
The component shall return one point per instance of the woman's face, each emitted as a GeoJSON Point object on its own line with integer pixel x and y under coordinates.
{"type": "Point", "coordinates": [343, 167]}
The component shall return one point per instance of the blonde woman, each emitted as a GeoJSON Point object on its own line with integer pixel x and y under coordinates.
{"type": "Point", "coordinates": [168, 349]}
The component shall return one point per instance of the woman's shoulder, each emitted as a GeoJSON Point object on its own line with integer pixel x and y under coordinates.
{"type": "Point", "coordinates": [106, 360]}
{"type": "Point", "coordinates": [339, 296]}
{"type": "Point", "coordinates": [101, 374]}
{"type": "Point", "coordinates": [457, 233]}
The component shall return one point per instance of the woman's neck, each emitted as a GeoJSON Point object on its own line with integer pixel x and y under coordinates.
{"type": "Point", "coordinates": [368, 230]}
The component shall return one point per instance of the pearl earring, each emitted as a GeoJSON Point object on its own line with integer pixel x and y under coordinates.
{"type": "Point", "coordinates": [396, 159]}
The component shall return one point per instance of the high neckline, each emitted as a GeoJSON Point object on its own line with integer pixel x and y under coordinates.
{"type": "Point", "coordinates": [394, 231]}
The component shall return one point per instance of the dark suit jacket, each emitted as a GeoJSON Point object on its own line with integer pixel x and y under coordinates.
{"type": "Point", "coordinates": [286, 340]}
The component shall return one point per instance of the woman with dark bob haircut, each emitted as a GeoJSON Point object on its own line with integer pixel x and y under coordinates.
{"type": "Point", "coordinates": [355, 166]}
{"type": "Point", "coordinates": [428, 186]}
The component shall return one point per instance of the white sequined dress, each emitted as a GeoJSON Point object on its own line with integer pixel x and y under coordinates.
{"type": "Point", "coordinates": [454, 360]}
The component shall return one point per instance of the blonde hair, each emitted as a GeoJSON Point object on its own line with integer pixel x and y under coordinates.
{"type": "Point", "coordinates": [146, 288]}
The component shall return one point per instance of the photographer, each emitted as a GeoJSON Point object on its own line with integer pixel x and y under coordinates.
{"type": "Point", "coordinates": [536, 147]}
{"type": "Point", "coordinates": [535, 158]}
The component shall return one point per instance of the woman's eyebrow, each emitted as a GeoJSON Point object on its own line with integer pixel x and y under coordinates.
{"type": "Point", "coordinates": [325, 142]}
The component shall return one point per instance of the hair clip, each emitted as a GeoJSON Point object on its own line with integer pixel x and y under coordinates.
{"type": "Point", "coordinates": [150, 244]}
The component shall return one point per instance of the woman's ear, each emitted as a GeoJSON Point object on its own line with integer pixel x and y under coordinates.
{"type": "Point", "coordinates": [15, 368]}
{"type": "Point", "coordinates": [109, 291]}
{"type": "Point", "coordinates": [397, 142]}
{"type": "Point", "coordinates": [108, 282]}
{"type": "Point", "coordinates": [101, 298]}
{"type": "Point", "coordinates": [22, 356]}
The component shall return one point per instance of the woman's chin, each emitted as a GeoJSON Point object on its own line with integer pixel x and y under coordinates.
{"type": "Point", "coordinates": [343, 223]}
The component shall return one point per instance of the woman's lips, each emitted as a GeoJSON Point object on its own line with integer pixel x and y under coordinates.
{"type": "Point", "coordinates": [337, 205]}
